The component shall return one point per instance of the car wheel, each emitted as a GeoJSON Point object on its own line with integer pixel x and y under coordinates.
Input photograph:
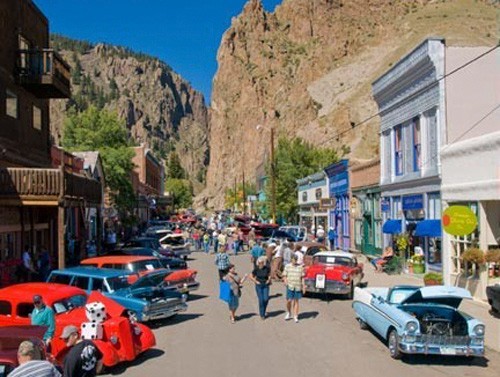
{"type": "Point", "coordinates": [362, 324]}
{"type": "Point", "coordinates": [392, 343]}
{"type": "Point", "coordinates": [350, 295]}
{"type": "Point", "coordinates": [132, 316]}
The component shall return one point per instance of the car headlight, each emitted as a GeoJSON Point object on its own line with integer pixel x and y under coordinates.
{"type": "Point", "coordinates": [184, 297]}
{"type": "Point", "coordinates": [411, 327]}
{"type": "Point", "coordinates": [146, 308]}
{"type": "Point", "coordinates": [113, 339]}
{"type": "Point", "coordinates": [478, 330]}
{"type": "Point", "coordinates": [345, 276]}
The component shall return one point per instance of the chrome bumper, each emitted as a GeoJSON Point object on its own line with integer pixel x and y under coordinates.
{"type": "Point", "coordinates": [331, 286]}
{"type": "Point", "coordinates": [166, 313]}
{"type": "Point", "coordinates": [437, 345]}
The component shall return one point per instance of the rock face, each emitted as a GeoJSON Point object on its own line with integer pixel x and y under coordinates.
{"type": "Point", "coordinates": [159, 107]}
{"type": "Point", "coordinates": [306, 70]}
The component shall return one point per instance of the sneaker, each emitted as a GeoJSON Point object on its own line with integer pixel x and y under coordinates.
{"type": "Point", "coordinates": [288, 316]}
{"type": "Point", "coordinates": [296, 319]}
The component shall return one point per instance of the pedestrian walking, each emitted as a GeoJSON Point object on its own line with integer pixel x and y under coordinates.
{"type": "Point", "coordinates": [277, 262]}
{"type": "Point", "coordinates": [215, 238]}
{"type": "Point", "coordinates": [83, 359]}
{"type": "Point", "coordinates": [320, 234]}
{"type": "Point", "coordinates": [31, 363]}
{"type": "Point", "coordinates": [293, 276]}
{"type": "Point", "coordinates": [256, 252]}
{"type": "Point", "coordinates": [222, 240]}
{"type": "Point", "coordinates": [43, 315]}
{"type": "Point", "coordinates": [206, 243]}
{"type": "Point", "coordinates": [300, 256]}
{"type": "Point", "coordinates": [251, 238]}
{"type": "Point", "coordinates": [332, 235]}
{"type": "Point", "coordinates": [287, 253]}
{"type": "Point", "coordinates": [222, 262]}
{"type": "Point", "coordinates": [236, 283]}
{"type": "Point", "coordinates": [261, 276]}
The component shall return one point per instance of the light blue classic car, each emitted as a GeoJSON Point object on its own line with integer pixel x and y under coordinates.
{"type": "Point", "coordinates": [420, 320]}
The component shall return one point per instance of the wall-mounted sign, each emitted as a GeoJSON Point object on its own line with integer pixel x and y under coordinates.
{"type": "Point", "coordinates": [459, 221]}
{"type": "Point", "coordinates": [327, 202]}
{"type": "Point", "coordinates": [413, 202]}
{"type": "Point", "coordinates": [385, 205]}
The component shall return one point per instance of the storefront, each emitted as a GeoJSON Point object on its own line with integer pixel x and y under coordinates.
{"type": "Point", "coordinates": [339, 217]}
{"type": "Point", "coordinates": [311, 190]}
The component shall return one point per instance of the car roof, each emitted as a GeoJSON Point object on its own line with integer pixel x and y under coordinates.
{"type": "Point", "coordinates": [118, 259]}
{"type": "Point", "coordinates": [334, 254]}
{"type": "Point", "coordinates": [92, 272]}
{"type": "Point", "coordinates": [48, 291]}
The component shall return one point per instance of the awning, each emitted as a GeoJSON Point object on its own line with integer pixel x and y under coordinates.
{"type": "Point", "coordinates": [392, 227]}
{"type": "Point", "coordinates": [428, 228]}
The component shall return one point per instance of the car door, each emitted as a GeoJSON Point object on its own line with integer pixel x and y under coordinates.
{"type": "Point", "coordinates": [377, 315]}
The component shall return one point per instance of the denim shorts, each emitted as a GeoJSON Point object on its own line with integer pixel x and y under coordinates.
{"type": "Point", "coordinates": [293, 295]}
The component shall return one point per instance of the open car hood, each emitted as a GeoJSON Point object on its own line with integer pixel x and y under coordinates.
{"type": "Point", "coordinates": [439, 294]}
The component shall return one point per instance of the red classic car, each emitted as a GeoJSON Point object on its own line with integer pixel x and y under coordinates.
{"type": "Point", "coordinates": [10, 339]}
{"type": "Point", "coordinates": [334, 272]}
{"type": "Point", "coordinates": [122, 340]}
{"type": "Point", "coordinates": [183, 280]}
{"type": "Point", "coordinates": [309, 249]}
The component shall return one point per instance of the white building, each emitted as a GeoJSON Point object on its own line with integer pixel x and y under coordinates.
{"type": "Point", "coordinates": [311, 190]}
{"type": "Point", "coordinates": [471, 156]}
{"type": "Point", "coordinates": [411, 100]}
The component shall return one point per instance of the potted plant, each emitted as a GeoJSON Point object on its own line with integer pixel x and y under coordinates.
{"type": "Point", "coordinates": [473, 258]}
{"type": "Point", "coordinates": [433, 278]}
{"type": "Point", "coordinates": [492, 257]}
{"type": "Point", "coordinates": [409, 264]}
{"type": "Point", "coordinates": [418, 264]}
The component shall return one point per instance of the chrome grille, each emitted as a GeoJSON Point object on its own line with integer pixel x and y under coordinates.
{"type": "Point", "coordinates": [164, 305]}
{"type": "Point", "coordinates": [445, 340]}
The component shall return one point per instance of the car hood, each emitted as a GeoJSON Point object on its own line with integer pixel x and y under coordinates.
{"type": "Point", "coordinates": [439, 294]}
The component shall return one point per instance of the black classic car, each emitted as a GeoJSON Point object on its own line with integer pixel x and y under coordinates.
{"type": "Point", "coordinates": [493, 293]}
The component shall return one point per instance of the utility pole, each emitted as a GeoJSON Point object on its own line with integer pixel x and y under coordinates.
{"type": "Point", "coordinates": [273, 179]}
{"type": "Point", "coordinates": [244, 195]}
{"type": "Point", "coordinates": [235, 195]}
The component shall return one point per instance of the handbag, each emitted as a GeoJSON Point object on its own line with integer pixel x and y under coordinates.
{"type": "Point", "coordinates": [225, 291]}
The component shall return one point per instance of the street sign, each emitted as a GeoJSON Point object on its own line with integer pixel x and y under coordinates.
{"type": "Point", "coordinates": [327, 203]}
{"type": "Point", "coordinates": [459, 220]}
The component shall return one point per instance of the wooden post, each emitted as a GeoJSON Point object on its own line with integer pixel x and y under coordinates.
{"type": "Point", "coordinates": [60, 237]}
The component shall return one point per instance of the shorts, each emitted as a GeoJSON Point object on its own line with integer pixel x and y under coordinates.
{"type": "Point", "coordinates": [293, 295]}
{"type": "Point", "coordinates": [234, 302]}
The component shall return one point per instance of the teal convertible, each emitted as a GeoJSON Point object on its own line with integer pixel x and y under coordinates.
{"type": "Point", "coordinates": [420, 320]}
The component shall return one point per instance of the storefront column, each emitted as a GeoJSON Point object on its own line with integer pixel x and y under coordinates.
{"type": "Point", "coordinates": [60, 238]}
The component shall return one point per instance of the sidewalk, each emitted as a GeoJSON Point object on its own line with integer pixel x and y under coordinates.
{"type": "Point", "coordinates": [475, 308]}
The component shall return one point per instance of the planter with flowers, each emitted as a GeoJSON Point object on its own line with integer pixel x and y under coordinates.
{"type": "Point", "coordinates": [473, 259]}
{"type": "Point", "coordinates": [418, 264]}
{"type": "Point", "coordinates": [492, 257]}
{"type": "Point", "coordinates": [433, 278]}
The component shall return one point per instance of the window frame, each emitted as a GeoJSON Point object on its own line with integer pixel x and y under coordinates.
{"type": "Point", "coordinates": [11, 96]}
{"type": "Point", "coordinates": [398, 150]}
{"type": "Point", "coordinates": [35, 110]}
{"type": "Point", "coordinates": [417, 144]}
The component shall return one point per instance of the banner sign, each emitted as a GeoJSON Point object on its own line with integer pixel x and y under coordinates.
{"type": "Point", "coordinates": [413, 202]}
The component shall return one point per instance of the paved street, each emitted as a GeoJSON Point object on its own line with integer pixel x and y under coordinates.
{"type": "Point", "coordinates": [327, 341]}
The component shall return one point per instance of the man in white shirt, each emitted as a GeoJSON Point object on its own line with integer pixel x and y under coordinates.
{"type": "Point", "coordinates": [300, 257]}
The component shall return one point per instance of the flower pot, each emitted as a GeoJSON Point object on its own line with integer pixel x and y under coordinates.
{"type": "Point", "coordinates": [410, 268]}
{"type": "Point", "coordinates": [432, 282]}
{"type": "Point", "coordinates": [418, 268]}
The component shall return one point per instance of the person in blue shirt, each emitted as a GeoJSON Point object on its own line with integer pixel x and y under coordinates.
{"type": "Point", "coordinates": [332, 235]}
{"type": "Point", "coordinates": [257, 251]}
{"type": "Point", "coordinates": [42, 315]}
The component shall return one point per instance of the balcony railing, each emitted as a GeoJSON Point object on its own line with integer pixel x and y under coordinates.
{"type": "Point", "coordinates": [44, 73]}
{"type": "Point", "coordinates": [47, 185]}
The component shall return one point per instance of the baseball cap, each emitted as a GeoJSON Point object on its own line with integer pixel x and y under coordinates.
{"type": "Point", "coordinates": [68, 330]}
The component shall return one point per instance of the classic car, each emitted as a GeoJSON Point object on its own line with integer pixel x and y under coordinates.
{"type": "Point", "coordinates": [299, 233]}
{"type": "Point", "coordinates": [182, 280]}
{"type": "Point", "coordinates": [10, 339]}
{"type": "Point", "coordinates": [173, 263]}
{"type": "Point", "coordinates": [142, 301]}
{"type": "Point", "coordinates": [420, 320]}
{"type": "Point", "coordinates": [123, 340]}
{"type": "Point", "coordinates": [493, 293]}
{"type": "Point", "coordinates": [148, 242]}
{"type": "Point", "coordinates": [309, 249]}
{"type": "Point", "coordinates": [177, 244]}
{"type": "Point", "coordinates": [334, 272]}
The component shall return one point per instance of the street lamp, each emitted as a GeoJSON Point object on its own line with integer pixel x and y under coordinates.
{"type": "Point", "coordinates": [273, 174]}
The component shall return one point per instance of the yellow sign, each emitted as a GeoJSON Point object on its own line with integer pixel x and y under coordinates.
{"type": "Point", "coordinates": [459, 220]}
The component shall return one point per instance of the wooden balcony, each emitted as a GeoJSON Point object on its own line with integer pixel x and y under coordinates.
{"type": "Point", "coordinates": [29, 186]}
{"type": "Point", "coordinates": [44, 73]}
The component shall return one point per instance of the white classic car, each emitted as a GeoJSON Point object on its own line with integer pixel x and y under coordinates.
{"type": "Point", "coordinates": [420, 320]}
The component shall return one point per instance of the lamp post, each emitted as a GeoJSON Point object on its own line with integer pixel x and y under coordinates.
{"type": "Point", "coordinates": [273, 176]}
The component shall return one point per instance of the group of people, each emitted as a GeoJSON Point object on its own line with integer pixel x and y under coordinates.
{"type": "Point", "coordinates": [30, 269]}
{"type": "Point", "coordinates": [82, 360]}
{"type": "Point", "coordinates": [262, 277]}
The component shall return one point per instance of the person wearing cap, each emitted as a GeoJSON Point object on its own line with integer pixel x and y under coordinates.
{"type": "Point", "coordinates": [83, 359]}
{"type": "Point", "coordinates": [43, 315]}
{"type": "Point", "coordinates": [31, 364]}
{"type": "Point", "coordinates": [293, 276]}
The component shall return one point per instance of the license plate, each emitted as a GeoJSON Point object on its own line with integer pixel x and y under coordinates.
{"type": "Point", "coordinates": [448, 351]}
{"type": "Point", "coordinates": [320, 281]}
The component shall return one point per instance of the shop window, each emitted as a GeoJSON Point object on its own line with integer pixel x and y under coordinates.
{"type": "Point", "coordinates": [358, 226]}
{"type": "Point", "coordinates": [434, 206]}
{"type": "Point", "coordinates": [37, 118]}
{"type": "Point", "coordinates": [11, 104]}
{"type": "Point", "coordinates": [417, 156]}
{"type": "Point", "coordinates": [398, 150]}
{"type": "Point", "coordinates": [432, 137]}
{"type": "Point", "coordinates": [460, 244]}
{"type": "Point", "coordinates": [396, 208]}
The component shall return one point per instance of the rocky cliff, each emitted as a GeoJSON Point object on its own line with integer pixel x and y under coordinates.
{"type": "Point", "coordinates": [159, 107]}
{"type": "Point", "coordinates": [306, 70]}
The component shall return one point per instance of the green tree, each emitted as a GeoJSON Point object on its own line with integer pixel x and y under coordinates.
{"type": "Point", "coordinates": [174, 167]}
{"type": "Point", "coordinates": [182, 191]}
{"type": "Point", "coordinates": [232, 197]}
{"type": "Point", "coordinates": [294, 159]}
{"type": "Point", "coordinates": [103, 131]}
{"type": "Point", "coordinates": [76, 72]}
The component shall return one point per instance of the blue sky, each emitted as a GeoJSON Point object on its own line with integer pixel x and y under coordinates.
{"type": "Point", "coordinates": [184, 33]}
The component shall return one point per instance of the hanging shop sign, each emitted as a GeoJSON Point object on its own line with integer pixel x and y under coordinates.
{"type": "Point", "coordinates": [459, 220]}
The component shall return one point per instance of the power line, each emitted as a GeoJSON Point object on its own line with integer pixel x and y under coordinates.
{"type": "Point", "coordinates": [418, 92]}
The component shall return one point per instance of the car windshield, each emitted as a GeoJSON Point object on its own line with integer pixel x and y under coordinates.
{"type": "Point", "coordinates": [70, 303]}
{"type": "Point", "coordinates": [175, 241]}
{"type": "Point", "coordinates": [147, 265]}
{"type": "Point", "coordinates": [398, 295]}
{"type": "Point", "coordinates": [119, 282]}
{"type": "Point", "coordinates": [341, 261]}
{"type": "Point", "coordinates": [150, 280]}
